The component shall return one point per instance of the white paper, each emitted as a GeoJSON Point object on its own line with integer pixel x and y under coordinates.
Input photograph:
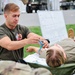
{"type": "Point", "coordinates": [52, 25]}
{"type": "Point", "coordinates": [34, 58]}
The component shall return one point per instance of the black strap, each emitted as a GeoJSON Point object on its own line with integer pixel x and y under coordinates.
{"type": "Point", "coordinates": [22, 61]}
{"type": "Point", "coordinates": [47, 40]}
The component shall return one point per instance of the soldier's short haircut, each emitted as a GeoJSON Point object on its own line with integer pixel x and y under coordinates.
{"type": "Point", "coordinates": [11, 7]}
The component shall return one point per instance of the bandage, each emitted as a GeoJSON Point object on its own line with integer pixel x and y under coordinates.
{"type": "Point", "coordinates": [41, 45]}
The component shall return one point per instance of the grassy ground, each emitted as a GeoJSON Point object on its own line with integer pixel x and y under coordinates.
{"type": "Point", "coordinates": [37, 30]}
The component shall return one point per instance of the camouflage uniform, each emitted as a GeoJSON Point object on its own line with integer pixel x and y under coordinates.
{"type": "Point", "coordinates": [13, 68]}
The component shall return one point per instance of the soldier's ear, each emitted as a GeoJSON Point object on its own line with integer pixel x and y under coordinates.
{"type": "Point", "coordinates": [5, 15]}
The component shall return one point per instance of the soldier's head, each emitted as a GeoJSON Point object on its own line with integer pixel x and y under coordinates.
{"type": "Point", "coordinates": [11, 14]}
{"type": "Point", "coordinates": [55, 56]}
{"type": "Point", "coordinates": [11, 7]}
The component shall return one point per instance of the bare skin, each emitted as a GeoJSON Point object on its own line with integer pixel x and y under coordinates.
{"type": "Point", "coordinates": [12, 19]}
{"type": "Point", "coordinates": [32, 49]}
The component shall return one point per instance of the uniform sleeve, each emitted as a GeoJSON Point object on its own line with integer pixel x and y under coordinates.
{"type": "Point", "coordinates": [2, 33]}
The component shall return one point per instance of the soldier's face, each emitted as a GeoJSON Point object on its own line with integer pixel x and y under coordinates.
{"type": "Point", "coordinates": [12, 19]}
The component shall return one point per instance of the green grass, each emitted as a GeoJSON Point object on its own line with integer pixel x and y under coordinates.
{"type": "Point", "coordinates": [37, 30]}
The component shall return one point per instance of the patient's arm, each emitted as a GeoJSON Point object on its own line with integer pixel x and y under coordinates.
{"type": "Point", "coordinates": [33, 49]}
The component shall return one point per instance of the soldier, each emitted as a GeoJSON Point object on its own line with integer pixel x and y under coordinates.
{"type": "Point", "coordinates": [13, 37]}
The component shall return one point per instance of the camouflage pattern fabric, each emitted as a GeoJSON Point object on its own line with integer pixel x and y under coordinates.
{"type": "Point", "coordinates": [13, 68]}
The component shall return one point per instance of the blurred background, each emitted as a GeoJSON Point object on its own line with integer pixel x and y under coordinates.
{"type": "Point", "coordinates": [31, 6]}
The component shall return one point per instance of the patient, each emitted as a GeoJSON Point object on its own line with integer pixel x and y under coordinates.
{"type": "Point", "coordinates": [60, 53]}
